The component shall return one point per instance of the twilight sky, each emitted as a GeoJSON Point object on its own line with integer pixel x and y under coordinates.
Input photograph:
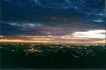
{"type": "Point", "coordinates": [53, 20]}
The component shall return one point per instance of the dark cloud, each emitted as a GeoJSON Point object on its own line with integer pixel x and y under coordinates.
{"type": "Point", "coordinates": [7, 29]}
{"type": "Point", "coordinates": [33, 10]}
{"type": "Point", "coordinates": [51, 17]}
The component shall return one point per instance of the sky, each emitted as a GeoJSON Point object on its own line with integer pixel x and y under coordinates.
{"type": "Point", "coordinates": [70, 21]}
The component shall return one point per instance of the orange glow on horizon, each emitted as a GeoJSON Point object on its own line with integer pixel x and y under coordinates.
{"type": "Point", "coordinates": [45, 41]}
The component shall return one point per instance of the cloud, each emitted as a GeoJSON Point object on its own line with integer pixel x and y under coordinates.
{"type": "Point", "coordinates": [26, 24]}
{"type": "Point", "coordinates": [98, 20]}
{"type": "Point", "coordinates": [98, 34]}
{"type": "Point", "coordinates": [1, 36]}
{"type": "Point", "coordinates": [53, 19]}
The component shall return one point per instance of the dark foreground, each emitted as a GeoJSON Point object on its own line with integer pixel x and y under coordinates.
{"type": "Point", "coordinates": [52, 56]}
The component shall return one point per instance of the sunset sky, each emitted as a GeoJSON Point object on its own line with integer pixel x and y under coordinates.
{"type": "Point", "coordinates": [77, 21]}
